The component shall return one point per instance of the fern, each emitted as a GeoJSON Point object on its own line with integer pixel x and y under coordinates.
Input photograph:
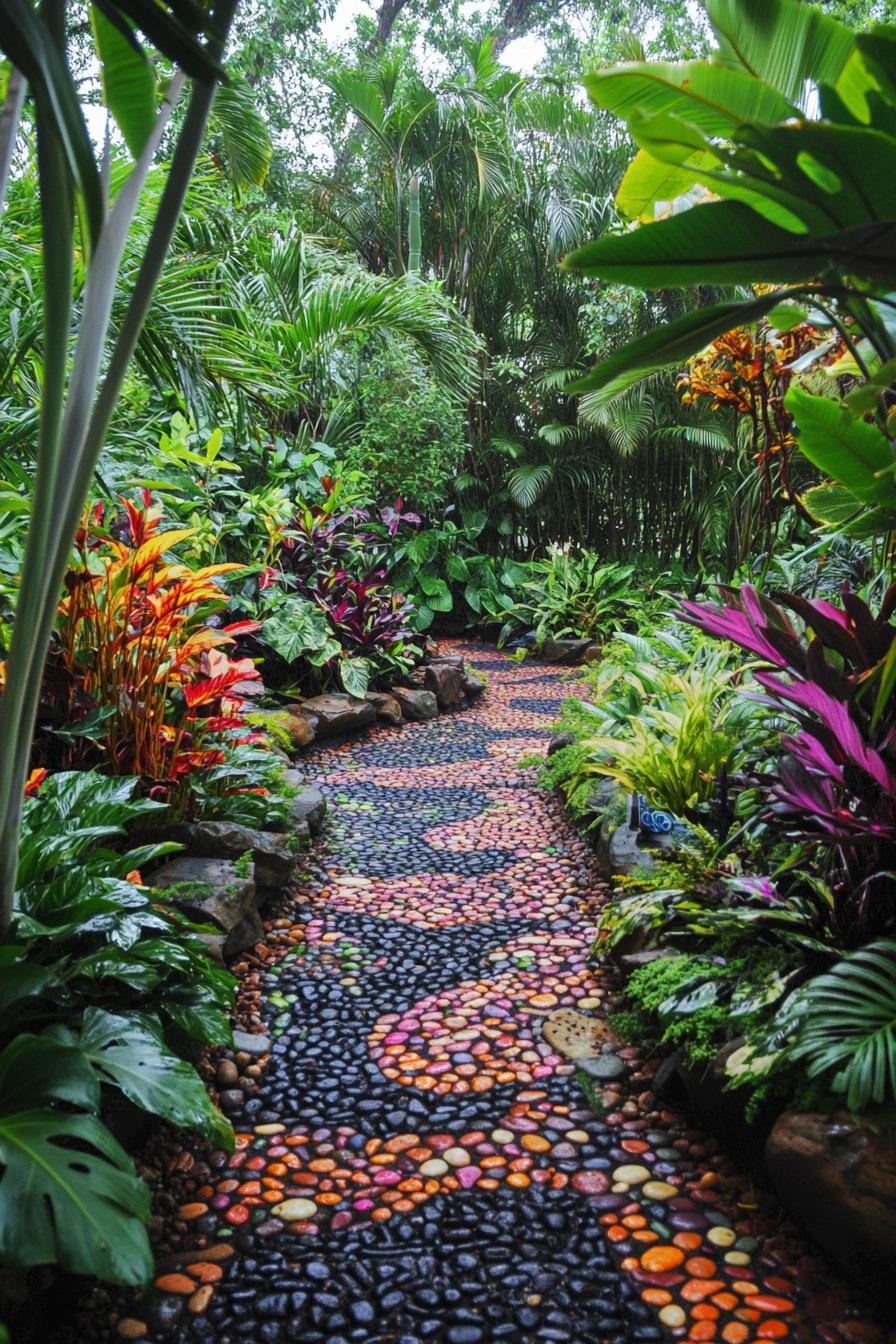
{"type": "Point", "coordinates": [848, 1025]}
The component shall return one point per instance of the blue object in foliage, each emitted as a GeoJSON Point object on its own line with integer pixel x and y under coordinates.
{"type": "Point", "coordinates": [657, 822]}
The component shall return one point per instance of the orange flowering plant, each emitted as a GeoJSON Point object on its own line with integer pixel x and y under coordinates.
{"type": "Point", "coordinates": [750, 370]}
{"type": "Point", "coordinates": [135, 643]}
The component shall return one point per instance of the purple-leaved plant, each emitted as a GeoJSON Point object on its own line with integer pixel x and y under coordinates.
{"type": "Point", "coordinates": [836, 782]}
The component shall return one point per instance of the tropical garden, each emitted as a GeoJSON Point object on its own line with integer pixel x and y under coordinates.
{"type": "Point", "coordinates": [319, 346]}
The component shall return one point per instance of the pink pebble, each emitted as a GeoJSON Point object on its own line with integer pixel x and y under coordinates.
{"type": "Point", "coordinates": [468, 1176]}
{"type": "Point", "coordinates": [340, 1220]}
{"type": "Point", "coordinates": [386, 1176]}
{"type": "Point", "coordinates": [395, 1038]}
{"type": "Point", "coordinates": [363, 1205]}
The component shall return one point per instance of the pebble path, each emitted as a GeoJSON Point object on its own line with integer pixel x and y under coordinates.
{"type": "Point", "coordinates": [417, 1163]}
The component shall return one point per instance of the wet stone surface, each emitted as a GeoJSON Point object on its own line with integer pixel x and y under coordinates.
{"type": "Point", "coordinates": [414, 1159]}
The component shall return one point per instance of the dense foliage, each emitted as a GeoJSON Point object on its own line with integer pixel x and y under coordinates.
{"type": "Point", "coordinates": [474, 353]}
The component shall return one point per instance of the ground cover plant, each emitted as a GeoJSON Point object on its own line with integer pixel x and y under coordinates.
{"type": "Point", "coordinates": [315, 352]}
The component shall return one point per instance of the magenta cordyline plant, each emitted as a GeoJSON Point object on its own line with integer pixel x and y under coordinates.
{"type": "Point", "coordinates": [370, 619]}
{"type": "Point", "coordinates": [836, 782]}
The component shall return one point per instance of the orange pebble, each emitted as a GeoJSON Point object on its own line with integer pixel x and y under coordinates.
{"type": "Point", "coordinates": [725, 1301]}
{"type": "Point", "coordinates": [534, 1143]}
{"type": "Point", "coordinates": [200, 1300]}
{"type": "Point", "coordinates": [703, 1330]}
{"type": "Point", "coordinates": [176, 1283]}
{"type": "Point", "coordinates": [617, 1233]}
{"type": "Point", "coordinates": [701, 1267]}
{"type": "Point", "coordinates": [645, 1236]}
{"type": "Point", "coordinates": [735, 1333]}
{"type": "Point", "coordinates": [329, 1198]}
{"type": "Point", "coordinates": [205, 1273]}
{"type": "Point", "coordinates": [629, 1263]}
{"type": "Point", "coordinates": [518, 1179]}
{"type": "Point", "coordinates": [660, 1259]}
{"type": "Point", "coordinates": [764, 1302]}
{"type": "Point", "coordinates": [704, 1312]}
{"type": "Point", "coordinates": [695, 1290]}
{"type": "Point", "coordinates": [656, 1297]}
{"type": "Point", "coordinates": [634, 1220]}
{"type": "Point", "coordinates": [772, 1330]}
{"type": "Point", "coordinates": [380, 1215]}
{"type": "Point", "coordinates": [688, 1241]}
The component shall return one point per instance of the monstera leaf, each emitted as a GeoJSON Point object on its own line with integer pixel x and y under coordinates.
{"type": "Point", "coordinates": [129, 1052]}
{"type": "Point", "coordinates": [68, 1191]}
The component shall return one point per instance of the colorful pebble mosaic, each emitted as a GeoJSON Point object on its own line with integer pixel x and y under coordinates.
{"type": "Point", "coordinates": [415, 1161]}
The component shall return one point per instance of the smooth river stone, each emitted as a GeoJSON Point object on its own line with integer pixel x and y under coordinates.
{"type": "Point", "coordinates": [434, 1166]}
{"type": "Point", "coordinates": [293, 1210]}
{"type": "Point", "coordinates": [590, 1182]}
{"type": "Point", "coordinates": [631, 1175]}
{"type": "Point", "coordinates": [456, 1157]}
{"type": "Point", "coordinates": [502, 1136]}
{"type": "Point", "coordinates": [659, 1190]}
{"type": "Point", "coordinates": [468, 1176]}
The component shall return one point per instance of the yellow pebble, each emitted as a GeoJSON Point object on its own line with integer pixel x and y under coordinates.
{"type": "Point", "coordinates": [659, 1190]}
{"type": "Point", "coordinates": [631, 1175]}
{"type": "Point", "coordinates": [737, 1258]}
{"type": "Point", "coordinates": [672, 1315]}
{"type": "Point", "coordinates": [722, 1236]}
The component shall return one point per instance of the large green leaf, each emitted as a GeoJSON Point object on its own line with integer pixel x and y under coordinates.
{"type": "Point", "coordinates": [784, 42]}
{"type": "Point", "coordinates": [649, 181]}
{"type": "Point", "coordinates": [774, 196]}
{"type": "Point", "coordinates": [726, 242]}
{"type": "Point", "coordinates": [846, 172]}
{"type": "Point", "coordinates": [845, 447]}
{"type": "Point", "coordinates": [354, 673]}
{"type": "Point", "coordinates": [834, 506]}
{"type": "Point", "coordinates": [672, 344]}
{"type": "Point", "coordinates": [128, 80]}
{"type": "Point", "coordinates": [68, 1192]}
{"type": "Point", "coordinates": [129, 1053]}
{"type": "Point", "coordinates": [713, 99]}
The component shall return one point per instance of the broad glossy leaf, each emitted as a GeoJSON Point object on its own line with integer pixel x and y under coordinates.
{"type": "Point", "coordinates": [844, 446]}
{"type": "Point", "coordinates": [649, 182]}
{"type": "Point", "coordinates": [713, 99]}
{"type": "Point", "coordinates": [726, 242]}
{"type": "Point", "coordinates": [849, 172]}
{"type": "Point", "coordinates": [35, 1070]}
{"type": "Point", "coordinates": [671, 140]}
{"type": "Point", "coordinates": [128, 80]}
{"type": "Point", "coordinates": [129, 1052]}
{"type": "Point", "coordinates": [837, 508]}
{"type": "Point", "coordinates": [69, 1196]}
{"type": "Point", "coordinates": [354, 673]}
{"type": "Point", "coordinates": [783, 42]}
{"type": "Point", "coordinates": [672, 344]}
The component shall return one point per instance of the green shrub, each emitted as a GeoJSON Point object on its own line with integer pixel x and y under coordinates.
{"type": "Point", "coordinates": [412, 439]}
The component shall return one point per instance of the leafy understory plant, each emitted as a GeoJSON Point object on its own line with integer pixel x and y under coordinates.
{"type": "Point", "coordinates": [100, 984]}
{"type": "Point", "coordinates": [845, 1025]}
{"type": "Point", "coordinates": [569, 594]}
